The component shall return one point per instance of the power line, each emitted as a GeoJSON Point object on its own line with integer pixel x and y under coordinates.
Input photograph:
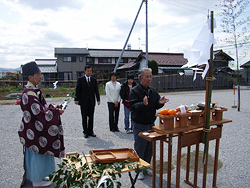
{"type": "Point", "coordinates": [186, 5]}
{"type": "Point", "coordinates": [229, 45]}
{"type": "Point", "coordinates": [184, 30]}
{"type": "Point", "coordinates": [187, 28]}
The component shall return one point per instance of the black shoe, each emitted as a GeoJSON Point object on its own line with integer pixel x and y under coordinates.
{"type": "Point", "coordinates": [86, 135]}
{"type": "Point", "coordinates": [117, 130]}
{"type": "Point", "coordinates": [113, 130]}
{"type": "Point", "coordinates": [92, 134]}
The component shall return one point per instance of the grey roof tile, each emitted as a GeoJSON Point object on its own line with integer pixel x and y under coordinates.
{"type": "Point", "coordinates": [71, 51]}
{"type": "Point", "coordinates": [45, 61]}
{"type": "Point", "coordinates": [48, 69]}
{"type": "Point", "coordinates": [114, 53]}
{"type": "Point", "coordinates": [126, 65]}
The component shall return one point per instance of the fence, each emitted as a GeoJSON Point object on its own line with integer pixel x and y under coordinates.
{"type": "Point", "coordinates": [160, 82]}
{"type": "Point", "coordinates": [185, 82]}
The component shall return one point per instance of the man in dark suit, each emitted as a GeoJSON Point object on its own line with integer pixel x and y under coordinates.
{"type": "Point", "coordinates": [86, 92]}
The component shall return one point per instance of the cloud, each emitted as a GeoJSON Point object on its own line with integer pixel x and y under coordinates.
{"type": "Point", "coordinates": [54, 36]}
{"type": "Point", "coordinates": [31, 29]}
{"type": "Point", "coordinates": [40, 23]}
{"type": "Point", "coordinates": [52, 4]}
{"type": "Point", "coordinates": [122, 24]}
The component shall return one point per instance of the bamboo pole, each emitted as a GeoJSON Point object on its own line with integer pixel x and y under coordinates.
{"type": "Point", "coordinates": [208, 93]}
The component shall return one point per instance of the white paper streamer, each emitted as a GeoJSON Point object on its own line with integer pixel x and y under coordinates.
{"type": "Point", "coordinates": [54, 84]}
{"type": "Point", "coordinates": [195, 73]}
{"type": "Point", "coordinates": [183, 109]}
{"type": "Point", "coordinates": [200, 50]}
{"type": "Point", "coordinates": [103, 180]}
{"type": "Point", "coordinates": [205, 71]}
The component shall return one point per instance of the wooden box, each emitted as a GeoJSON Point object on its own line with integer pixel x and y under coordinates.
{"type": "Point", "coordinates": [202, 118]}
{"type": "Point", "coordinates": [195, 117]}
{"type": "Point", "coordinates": [166, 122]}
{"type": "Point", "coordinates": [182, 120]}
{"type": "Point", "coordinates": [217, 113]}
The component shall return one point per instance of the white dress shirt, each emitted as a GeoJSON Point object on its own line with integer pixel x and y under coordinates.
{"type": "Point", "coordinates": [112, 90]}
{"type": "Point", "coordinates": [87, 78]}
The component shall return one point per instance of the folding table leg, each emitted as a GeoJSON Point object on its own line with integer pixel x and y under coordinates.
{"type": "Point", "coordinates": [205, 169]}
{"type": "Point", "coordinates": [161, 164]}
{"type": "Point", "coordinates": [216, 161]}
{"type": "Point", "coordinates": [169, 160]}
{"type": "Point", "coordinates": [178, 165]}
{"type": "Point", "coordinates": [133, 181]}
{"type": "Point", "coordinates": [188, 163]}
{"type": "Point", "coordinates": [153, 163]}
{"type": "Point", "coordinates": [196, 164]}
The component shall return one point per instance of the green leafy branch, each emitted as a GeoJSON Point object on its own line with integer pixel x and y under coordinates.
{"type": "Point", "coordinates": [89, 176]}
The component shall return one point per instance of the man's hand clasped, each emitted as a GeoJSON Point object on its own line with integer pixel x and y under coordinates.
{"type": "Point", "coordinates": [163, 100]}
{"type": "Point", "coordinates": [145, 100]}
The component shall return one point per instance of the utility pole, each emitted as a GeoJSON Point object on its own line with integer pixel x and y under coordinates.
{"type": "Point", "coordinates": [146, 1]}
{"type": "Point", "coordinates": [118, 62]}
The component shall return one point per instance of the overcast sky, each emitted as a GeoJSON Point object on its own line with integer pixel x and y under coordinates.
{"type": "Point", "coordinates": [31, 29]}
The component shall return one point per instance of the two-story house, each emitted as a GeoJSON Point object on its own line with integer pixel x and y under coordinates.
{"type": "Point", "coordinates": [48, 69]}
{"type": "Point", "coordinates": [168, 63]}
{"type": "Point", "coordinates": [71, 61]}
{"type": "Point", "coordinates": [221, 62]}
{"type": "Point", "coordinates": [171, 63]}
{"type": "Point", "coordinates": [105, 60]}
{"type": "Point", "coordinates": [246, 72]}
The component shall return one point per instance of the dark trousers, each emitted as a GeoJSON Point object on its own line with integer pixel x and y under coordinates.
{"type": "Point", "coordinates": [113, 116]}
{"type": "Point", "coordinates": [87, 118]}
{"type": "Point", "coordinates": [142, 147]}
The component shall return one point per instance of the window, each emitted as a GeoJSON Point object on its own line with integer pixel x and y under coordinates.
{"type": "Point", "coordinates": [69, 58]}
{"type": "Point", "coordinates": [123, 60]}
{"type": "Point", "coordinates": [67, 76]}
{"type": "Point", "coordinates": [104, 60]}
{"type": "Point", "coordinates": [79, 74]}
{"type": "Point", "coordinates": [81, 59]}
{"type": "Point", "coordinates": [90, 60]}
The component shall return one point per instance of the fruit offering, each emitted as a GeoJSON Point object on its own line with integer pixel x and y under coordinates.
{"type": "Point", "coordinates": [171, 112]}
{"type": "Point", "coordinates": [167, 112]}
{"type": "Point", "coordinates": [182, 109]}
{"type": "Point", "coordinates": [164, 111]}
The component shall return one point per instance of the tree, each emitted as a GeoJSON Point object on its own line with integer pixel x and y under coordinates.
{"type": "Point", "coordinates": [236, 26]}
{"type": "Point", "coordinates": [154, 66]}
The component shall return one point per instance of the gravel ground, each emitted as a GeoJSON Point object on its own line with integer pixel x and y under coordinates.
{"type": "Point", "coordinates": [234, 144]}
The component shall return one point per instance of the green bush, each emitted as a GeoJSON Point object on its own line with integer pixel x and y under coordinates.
{"type": "Point", "coordinates": [154, 66]}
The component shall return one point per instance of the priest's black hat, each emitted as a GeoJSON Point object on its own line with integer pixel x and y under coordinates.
{"type": "Point", "coordinates": [29, 69]}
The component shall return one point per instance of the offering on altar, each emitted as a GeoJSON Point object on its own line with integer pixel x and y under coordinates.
{"type": "Point", "coordinates": [186, 116]}
{"type": "Point", "coordinates": [170, 119]}
{"type": "Point", "coordinates": [181, 109]}
{"type": "Point", "coordinates": [201, 106]}
{"type": "Point", "coordinates": [167, 111]}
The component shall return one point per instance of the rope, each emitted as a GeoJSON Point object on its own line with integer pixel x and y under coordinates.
{"type": "Point", "coordinates": [207, 130]}
{"type": "Point", "coordinates": [210, 78]}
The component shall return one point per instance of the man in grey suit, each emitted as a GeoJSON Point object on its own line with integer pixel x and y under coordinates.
{"type": "Point", "coordinates": [86, 94]}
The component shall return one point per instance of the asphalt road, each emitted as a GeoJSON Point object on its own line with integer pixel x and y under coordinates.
{"type": "Point", "coordinates": [234, 144]}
